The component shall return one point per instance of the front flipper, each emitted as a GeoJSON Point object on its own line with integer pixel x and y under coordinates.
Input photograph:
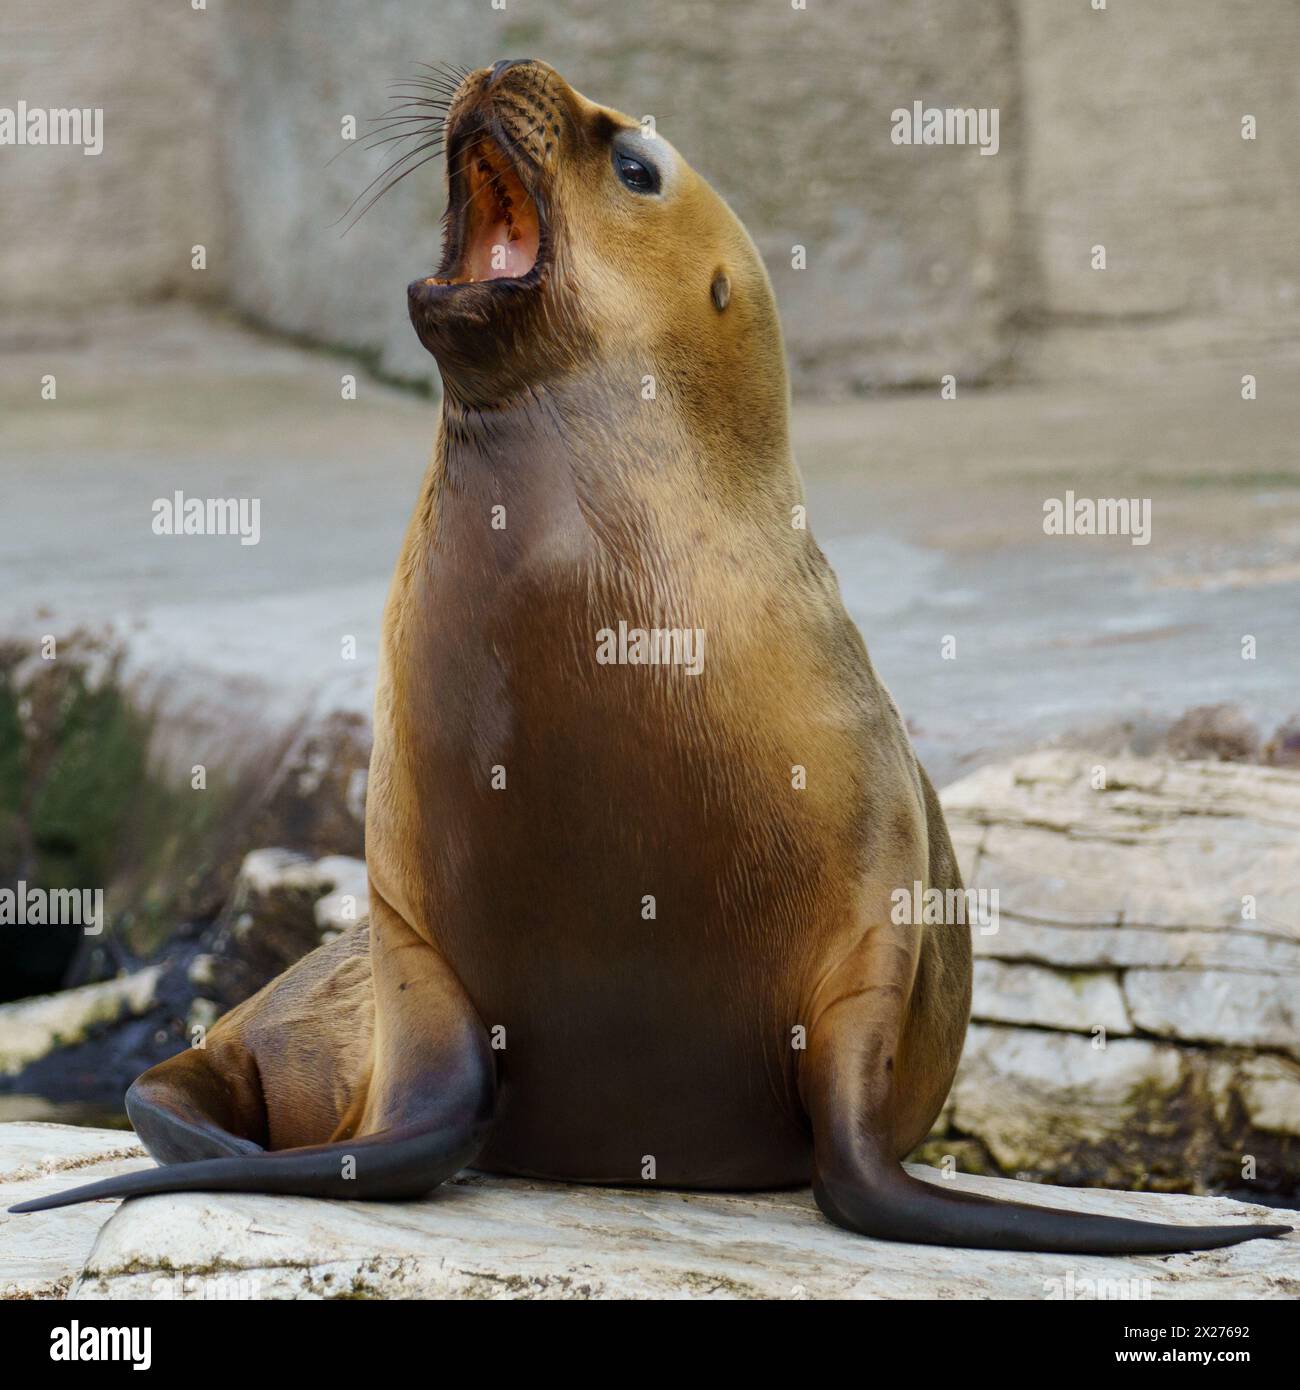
{"type": "Point", "coordinates": [885, 1027]}
{"type": "Point", "coordinates": [362, 1072]}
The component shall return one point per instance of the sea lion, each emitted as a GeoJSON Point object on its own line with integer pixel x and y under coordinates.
{"type": "Point", "coordinates": [638, 803]}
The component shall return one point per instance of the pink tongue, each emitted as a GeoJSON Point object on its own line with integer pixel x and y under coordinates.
{"type": "Point", "coordinates": [496, 257]}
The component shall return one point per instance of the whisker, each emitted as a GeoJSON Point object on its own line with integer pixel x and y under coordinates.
{"type": "Point", "coordinates": [415, 112]}
{"type": "Point", "coordinates": [376, 141]}
{"type": "Point", "coordinates": [435, 145]}
{"type": "Point", "coordinates": [385, 189]}
{"type": "Point", "coordinates": [427, 121]}
{"type": "Point", "coordinates": [422, 84]}
{"type": "Point", "coordinates": [423, 94]}
{"type": "Point", "coordinates": [446, 72]}
{"type": "Point", "coordinates": [373, 139]}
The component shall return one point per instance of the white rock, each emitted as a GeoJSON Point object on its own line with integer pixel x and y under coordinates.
{"type": "Point", "coordinates": [267, 870]}
{"type": "Point", "coordinates": [1270, 1091]}
{"type": "Point", "coordinates": [1036, 1097]}
{"type": "Point", "coordinates": [1147, 896]}
{"type": "Point", "coordinates": [482, 1237]}
{"type": "Point", "coordinates": [348, 898]}
{"type": "Point", "coordinates": [1085, 946]}
{"type": "Point", "coordinates": [30, 1028]}
{"type": "Point", "coordinates": [1236, 1007]}
{"type": "Point", "coordinates": [1075, 1002]}
{"type": "Point", "coordinates": [41, 1259]}
{"type": "Point", "coordinates": [1163, 844]}
{"type": "Point", "coordinates": [1181, 874]}
{"type": "Point", "coordinates": [485, 1237]}
{"type": "Point", "coordinates": [336, 878]}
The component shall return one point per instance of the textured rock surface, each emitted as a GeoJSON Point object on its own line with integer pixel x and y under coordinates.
{"type": "Point", "coordinates": [42, 1260]}
{"type": "Point", "coordinates": [1133, 1027]}
{"type": "Point", "coordinates": [1029, 994]}
{"type": "Point", "coordinates": [1238, 1007]}
{"type": "Point", "coordinates": [482, 1237]}
{"type": "Point", "coordinates": [282, 905]}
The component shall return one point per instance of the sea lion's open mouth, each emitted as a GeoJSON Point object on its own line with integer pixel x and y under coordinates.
{"type": "Point", "coordinates": [500, 228]}
{"type": "Point", "coordinates": [495, 229]}
{"type": "Point", "coordinates": [502, 139]}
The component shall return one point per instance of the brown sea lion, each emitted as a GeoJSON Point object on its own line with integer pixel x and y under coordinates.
{"type": "Point", "coordinates": [638, 803]}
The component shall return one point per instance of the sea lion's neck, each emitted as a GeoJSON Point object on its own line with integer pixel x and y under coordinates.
{"type": "Point", "coordinates": [611, 442]}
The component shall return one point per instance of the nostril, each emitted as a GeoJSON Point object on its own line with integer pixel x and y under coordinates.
{"type": "Point", "coordinates": [499, 68]}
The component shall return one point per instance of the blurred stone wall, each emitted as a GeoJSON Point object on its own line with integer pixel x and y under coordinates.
{"type": "Point", "coordinates": [1135, 143]}
{"type": "Point", "coordinates": [78, 230]}
{"type": "Point", "coordinates": [786, 112]}
{"type": "Point", "coordinates": [1119, 126]}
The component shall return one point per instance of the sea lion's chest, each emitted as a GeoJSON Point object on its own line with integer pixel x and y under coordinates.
{"type": "Point", "coordinates": [601, 785]}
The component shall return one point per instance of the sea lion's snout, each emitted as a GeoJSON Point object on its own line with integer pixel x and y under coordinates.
{"type": "Point", "coordinates": [503, 130]}
{"type": "Point", "coordinates": [502, 65]}
{"type": "Point", "coordinates": [503, 126]}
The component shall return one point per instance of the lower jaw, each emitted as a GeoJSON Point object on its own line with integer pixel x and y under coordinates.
{"type": "Point", "coordinates": [464, 326]}
{"type": "Point", "coordinates": [500, 252]}
{"type": "Point", "coordinates": [433, 298]}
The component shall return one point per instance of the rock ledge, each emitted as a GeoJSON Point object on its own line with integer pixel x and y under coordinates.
{"type": "Point", "coordinates": [485, 1237]}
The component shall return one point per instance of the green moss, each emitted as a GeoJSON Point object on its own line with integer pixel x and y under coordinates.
{"type": "Point", "coordinates": [82, 806]}
{"type": "Point", "coordinates": [92, 775]}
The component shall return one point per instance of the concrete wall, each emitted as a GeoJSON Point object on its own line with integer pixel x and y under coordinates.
{"type": "Point", "coordinates": [787, 112]}
{"type": "Point", "coordinates": [76, 230]}
{"type": "Point", "coordinates": [1135, 142]}
{"type": "Point", "coordinates": [1119, 126]}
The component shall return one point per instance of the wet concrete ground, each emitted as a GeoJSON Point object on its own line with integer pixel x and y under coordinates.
{"type": "Point", "coordinates": [930, 510]}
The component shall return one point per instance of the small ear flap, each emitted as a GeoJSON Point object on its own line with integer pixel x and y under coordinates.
{"type": "Point", "coordinates": [720, 290]}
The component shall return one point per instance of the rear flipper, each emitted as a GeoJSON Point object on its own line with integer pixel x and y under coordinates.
{"type": "Point", "coordinates": [368, 1044]}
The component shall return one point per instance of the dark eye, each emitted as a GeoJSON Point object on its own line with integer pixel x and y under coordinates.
{"type": "Point", "coordinates": [639, 177]}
